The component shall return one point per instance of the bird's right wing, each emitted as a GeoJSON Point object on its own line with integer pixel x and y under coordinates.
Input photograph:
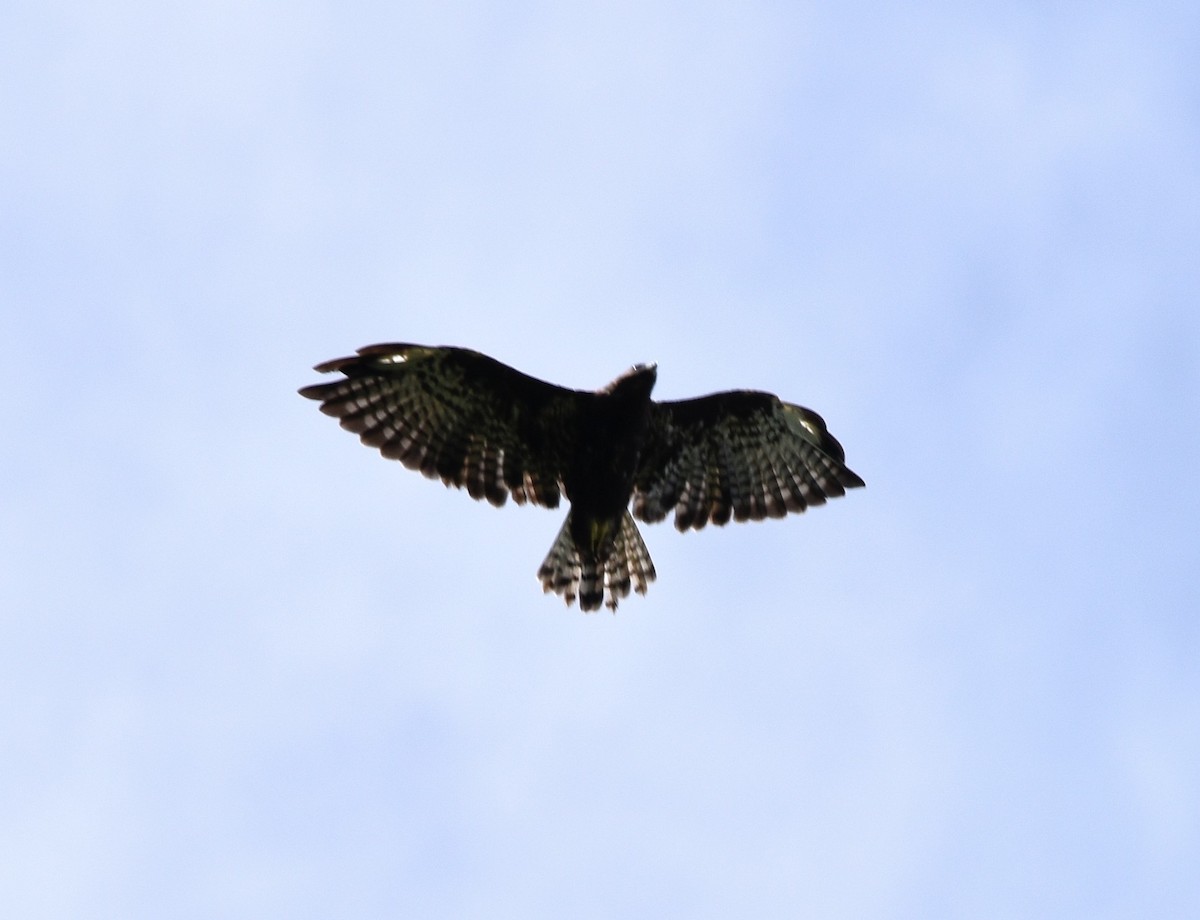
{"type": "Point", "coordinates": [457, 415]}
{"type": "Point", "coordinates": [739, 454]}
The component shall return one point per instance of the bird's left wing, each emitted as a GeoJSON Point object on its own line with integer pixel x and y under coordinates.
{"type": "Point", "coordinates": [739, 454]}
{"type": "Point", "coordinates": [457, 415]}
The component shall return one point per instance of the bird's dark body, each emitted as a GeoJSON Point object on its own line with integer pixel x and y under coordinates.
{"type": "Point", "coordinates": [473, 422]}
{"type": "Point", "coordinates": [608, 439]}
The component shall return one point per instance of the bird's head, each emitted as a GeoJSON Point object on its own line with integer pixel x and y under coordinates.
{"type": "Point", "coordinates": [637, 382]}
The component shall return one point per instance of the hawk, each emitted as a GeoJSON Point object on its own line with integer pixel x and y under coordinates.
{"type": "Point", "coordinates": [462, 417]}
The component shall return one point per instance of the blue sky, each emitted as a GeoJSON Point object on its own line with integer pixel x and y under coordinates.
{"type": "Point", "coordinates": [249, 669]}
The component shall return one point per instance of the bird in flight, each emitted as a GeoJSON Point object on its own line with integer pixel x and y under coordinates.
{"type": "Point", "coordinates": [475, 423]}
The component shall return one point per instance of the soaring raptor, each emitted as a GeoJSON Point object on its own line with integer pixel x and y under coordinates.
{"type": "Point", "coordinates": [460, 416]}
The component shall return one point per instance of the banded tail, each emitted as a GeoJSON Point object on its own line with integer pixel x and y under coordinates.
{"type": "Point", "coordinates": [604, 573]}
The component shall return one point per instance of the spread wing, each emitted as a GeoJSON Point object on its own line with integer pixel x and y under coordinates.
{"type": "Point", "coordinates": [739, 454]}
{"type": "Point", "coordinates": [457, 415]}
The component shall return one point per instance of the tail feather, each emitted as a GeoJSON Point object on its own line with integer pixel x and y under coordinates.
{"type": "Point", "coordinates": [594, 578]}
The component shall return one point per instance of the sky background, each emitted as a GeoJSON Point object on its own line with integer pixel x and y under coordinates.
{"type": "Point", "coordinates": [249, 669]}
